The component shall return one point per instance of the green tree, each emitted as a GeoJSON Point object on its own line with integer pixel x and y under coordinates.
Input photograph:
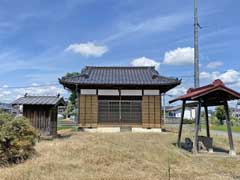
{"type": "Point", "coordinates": [69, 110]}
{"type": "Point", "coordinates": [73, 95]}
{"type": "Point", "coordinates": [220, 114]}
{"type": "Point", "coordinates": [72, 98]}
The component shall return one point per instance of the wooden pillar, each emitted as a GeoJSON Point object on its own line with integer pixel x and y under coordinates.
{"type": "Point", "coordinates": [232, 151]}
{"type": "Point", "coordinates": [181, 123]}
{"type": "Point", "coordinates": [78, 105]}
{"type": "Point", "coordinates": [197, 124]}
{"type": "Point", "coordinates": [207, 121]}
{"type": "Point", "coordinates": [120, 107]}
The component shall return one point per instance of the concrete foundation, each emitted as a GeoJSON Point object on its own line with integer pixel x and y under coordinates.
{"type": "Point", "coordinates": [144, 130]}
{"type": "Point", "coordinates": [118, 129]}
{"type": "Point", "coordinates": [232, 153]}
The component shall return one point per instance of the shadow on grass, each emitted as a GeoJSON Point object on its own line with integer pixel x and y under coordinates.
{"type": "Point", "coordinates": [64, 135]}
{"type": "Point", "coordinates": [215, 148]}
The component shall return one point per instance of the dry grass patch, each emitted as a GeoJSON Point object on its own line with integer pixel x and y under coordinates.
{"type": "Point", "coordinates": [119, 156]}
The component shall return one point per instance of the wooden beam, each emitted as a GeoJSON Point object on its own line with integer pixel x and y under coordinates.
{"type": "Point", "coordinates": [232, 151]}
{"type": "Point", "coordinates": [181, 123]}
{"type": "Point", "coordinates": [207, 120]}
{"type": "Point", "coordinates": [197, 124]}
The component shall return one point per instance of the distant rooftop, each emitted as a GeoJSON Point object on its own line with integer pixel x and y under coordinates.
{"type": "Point", "coordinates": [39, 100]}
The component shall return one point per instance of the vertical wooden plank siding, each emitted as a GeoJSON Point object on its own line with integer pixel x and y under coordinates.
{"type": "Point", "coordinates": [145, 112]}
{"type": "Point", "coordinates": [42, 118]}
{"type": "Point", "coordinates": [88, 110]}
{"type": "Point", "coordinates": [151, 111]}
{"type": "Point", "coordinates": [157, 106]}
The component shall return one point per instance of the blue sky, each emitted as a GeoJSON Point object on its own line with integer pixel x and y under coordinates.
{"type": "Point", "coordinates": [41, 40]}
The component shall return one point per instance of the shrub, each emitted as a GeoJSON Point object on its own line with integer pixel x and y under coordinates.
{"type": "Point", "coordinates": [188, 121]}
{"type": "Point", "coordinates": [235, 121]}
{"type": "Point", "coordinates": [214, 120]}
{"type": "Point", "coordinates": [17, 139]}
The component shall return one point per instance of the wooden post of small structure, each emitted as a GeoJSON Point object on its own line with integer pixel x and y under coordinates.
{"type": "Point", "coordinates": [181, 123]}
{"type": "Point", "coordinates": [207, 121]}
{"type": "Point", "coordinates": [232, 151]}
{"type": "Point", "coordinates": [197, 124]}
{"type": "Point", "coordinates": [210, 149]}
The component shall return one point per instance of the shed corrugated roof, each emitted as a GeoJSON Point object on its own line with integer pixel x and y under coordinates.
{"type": "Point", "coordinates": [91, 75]}
{"type": "Point", "coordinates": [213, 94]}
{"type": "Point", "coordinates": [39, 100]}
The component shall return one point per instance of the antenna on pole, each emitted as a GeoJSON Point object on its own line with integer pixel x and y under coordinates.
{"type": "Point", "coordinates": [196, 51]}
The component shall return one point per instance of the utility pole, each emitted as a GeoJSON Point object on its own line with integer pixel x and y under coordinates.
{"type": "Point", "coordinates": [196, 52]}
{"type": "Point", "coordinates": [196, 73]}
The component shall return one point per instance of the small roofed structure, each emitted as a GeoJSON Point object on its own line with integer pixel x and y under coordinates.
{"type": "Point", "coordinates": [214, 94]}
{"type": "Point", "coordinates": [41, 111]}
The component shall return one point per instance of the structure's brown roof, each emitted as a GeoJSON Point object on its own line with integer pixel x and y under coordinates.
{"type": "Point", "coordinates": [213, 94]}
{"type": "Point", "coordinates": [39, 100]}
{"type": "Point", "coordinates": [119, 76]}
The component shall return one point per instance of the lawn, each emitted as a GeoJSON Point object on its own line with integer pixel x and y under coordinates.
{"type": "Point", "coordinates": [121, 156]}
{"type": "Point", "coordinates": [235, 129]}
{"type": "Point", "coordinates": [224, 128]}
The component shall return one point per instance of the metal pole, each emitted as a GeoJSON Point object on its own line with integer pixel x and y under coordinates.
{"type": "Point", "coordinates": [196, 52]}
{"type": "Point", "coordinates": [196, 68]}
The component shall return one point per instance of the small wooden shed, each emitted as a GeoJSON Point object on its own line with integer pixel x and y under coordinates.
{"type": "Point", "coordinates": [42, 112]}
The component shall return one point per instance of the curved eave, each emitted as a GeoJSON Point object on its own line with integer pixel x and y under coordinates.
{"type": "Point", "coordinates": [163, 87]}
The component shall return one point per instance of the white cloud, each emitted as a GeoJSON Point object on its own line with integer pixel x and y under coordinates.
{"type": "Point", "coordinates": [34, 84]}
{"type": "Point", "coordinates": [179, 56]}
{"type": "Point", "coordinates": [214, 64]}
{"type": "Point", "coordinates": [44, 90]}
{"type": "Point", "coordinates": [230, 77]}
{"type": "Point", "coordinates": [143, 61]}
{"type": "Point", "coordinates": [151, 25]}
{"type": "Point", "coordinates": [177, 91]}
{"type": "Point", "coordinates": [9, 95]}
{"type": "Point", "coordinates": [87, 49]}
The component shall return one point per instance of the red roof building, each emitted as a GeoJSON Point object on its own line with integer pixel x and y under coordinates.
{"type": "Point", "coordinates": [213, 94]}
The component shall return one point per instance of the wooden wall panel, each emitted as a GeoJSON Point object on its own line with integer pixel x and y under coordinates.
{"type": "Point", "coordinates": [145, 112]}
{"type": "Point", "coordinates": [151, 111]}
{"type": "Point", "coordinates": [88, 110]}
{"type": "Point", "coordinates": [43, 118]}
{"type": "Point", "coordinates": [94, 111]}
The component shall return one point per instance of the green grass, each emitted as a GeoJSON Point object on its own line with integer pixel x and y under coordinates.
{"type": "Point", "coordinates": [66, 127]}
{"type": "Point", "coordinates": [235, 129]}
{"type": "Point", "coordinates": [224, 128]}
